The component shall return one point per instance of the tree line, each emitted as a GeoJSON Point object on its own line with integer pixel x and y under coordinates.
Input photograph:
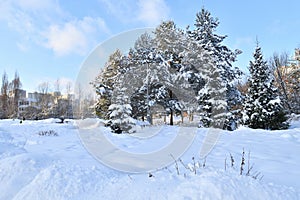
{"type": "Point", "coordinates": [180, 71]}
{"type": "Point", "coordinates": [14, 102]}
{"type": "Point", "coordinates": [10, 96]}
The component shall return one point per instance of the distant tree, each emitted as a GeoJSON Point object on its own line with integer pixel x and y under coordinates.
{"type": "Point", "coordinates": [14, 88]}
{"type": "Point", "coordinates": [69, 111]}
{"type": "Point", "coordinates": [31, 112]}
{"type": "Point", "coordinates": [263, 107]}
{"type": "Point", "coordinates": [58, 104]}
{"type": "Point", "coordinates": [80, 108]}
{"type": "Point", "coordinates": [4, 96]}
{"type": "Point", "coordinates": [87, 105]}
{"type": "Point", "coordinates": [44, 100]}
{"type": "Point", "coordinates": [57, 85]}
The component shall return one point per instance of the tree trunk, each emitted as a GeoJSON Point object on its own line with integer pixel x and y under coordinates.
{"type": "Point", "coordinates": [171, 118]}
{"type": "Point", "coordinates": [182, 116]}
{"type": "Point", "coordinates": [171, 114]}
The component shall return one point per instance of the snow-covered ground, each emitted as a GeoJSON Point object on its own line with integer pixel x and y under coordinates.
{"type": "Point", "coordinates": [59, 167]}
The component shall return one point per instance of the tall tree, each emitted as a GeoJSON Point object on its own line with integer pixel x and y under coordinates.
{"type": "Point", "coordinates": [152, 75]}
{"type": "Point", "coordinates": [204, 33]}
{"type": "Point", "coordinates": [263, 107]}
{"type": "Point", "coordinates": [212, 96]}
{"type": "Point", "coordinates": [197, 65]}
{"type": "Point", "coordinates": [105, 82]}
{"type": "Point", "coordinates": [141, 58]}
{"type": "Point", "coordinates": [171, 43]}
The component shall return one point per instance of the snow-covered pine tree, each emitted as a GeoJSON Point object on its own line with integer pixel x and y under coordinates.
{"type": "Point", "coordinates": [196, 64]}
{"type": "Point", "coordinates": [170, 40]}
{"type": "Point", "coordinates": [262, 108]}
{"type": "Point", "coordinates": [211, 97]}
{"type": "Point", "coordinates": [104, 84]}
{"type": "Point", "coordinates": [204, 33]}
{"type": "Point", "coordinates": [152, 61]}
{"type": "Point", "coordinates": [170, 44]}
{"type": "Point", "coordinates": [138, 78]}
{"type": "Point", "coordinates": [139, 104]}
{"type": "Point", "coordinates": [120, 111]}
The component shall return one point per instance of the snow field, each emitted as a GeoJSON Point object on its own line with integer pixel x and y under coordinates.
{"type": "Point", "coordinates": [59, 167]}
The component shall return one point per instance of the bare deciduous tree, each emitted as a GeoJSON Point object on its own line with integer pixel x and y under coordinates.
{"type": "Point", "coordinates": [4, 96]}
{"type": "Point", "coordinates": [279, 63]}
{"type": "Point", "coordinates": [44, 98]}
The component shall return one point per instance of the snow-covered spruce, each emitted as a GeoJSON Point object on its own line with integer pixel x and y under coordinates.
{"type": "Point", "coordinates": [263, 108]}
{"type": "Point", "coordinates": [223, 57]}
{"type": "Point", "coordinates": [154, 73]}
{"type": "Point", "coordinates": [105, 83]}
{"type": "Point", "coordinates": [120, 112]}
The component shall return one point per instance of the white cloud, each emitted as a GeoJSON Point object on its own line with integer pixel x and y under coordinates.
{"type": "Point", "coordinates": [73, 37]}
{"type": "Point", "coordinates": [66, 39]}
{"type": "Point", "coordinates": [152, 12]}
{"type": "Point", "coordinates": [15, 12]}
{"type": "Point", "coordinates": [46, 24]}
{"type": "Point", "coordinates": [149, 12]}
{"type": "Point", "coordinates": [28, 18]}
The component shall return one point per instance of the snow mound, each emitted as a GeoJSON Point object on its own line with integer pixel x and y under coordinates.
{"type": "Point", "coordinates": [89, 123]}
{"type": "Point", "coordinates": [221, 185]}
{"type": "Point", "coordinates": [61, 181]}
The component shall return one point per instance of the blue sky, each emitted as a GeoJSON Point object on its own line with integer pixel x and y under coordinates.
{"type": "Point", "coordinates": [50, 39]}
